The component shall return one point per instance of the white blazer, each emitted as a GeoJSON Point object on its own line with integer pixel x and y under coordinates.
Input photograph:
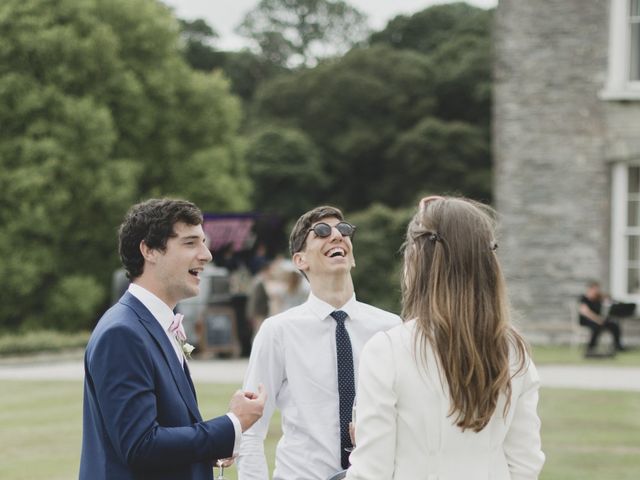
{"type": "Point", "coordinates": [403, 430]}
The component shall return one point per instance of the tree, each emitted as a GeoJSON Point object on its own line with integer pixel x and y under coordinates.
{"type": "Point", "coordinates": [98, 110]}
{"type": "Point", "coordinates": [199, 37]}
{"type": "Point", "coordinates": [429, 29]}
{"type": "Point", "coordinates": [411, 112]}
{"type": "Point", "coordinates": [302, 32]}
{"type": "Point", "coordinates": [447, 157]}
{"type": "Point", "coordinates": [247, 71]}
{"type": "Point", "coordinates": [377, 250]}
{"type": "Point", "coordinates": [244, 69]}
{"type": "Point", "coordinates": [457, 38]}
{"type": "Point", "coordinates": [353, 109]}
{"type": "Point", "coordinates": [285, 168]}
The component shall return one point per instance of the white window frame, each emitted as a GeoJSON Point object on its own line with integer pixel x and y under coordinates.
{"type": "Point", "coordinates": [619, 232]}
{"type": "Point", "coordinates": [619, 86]}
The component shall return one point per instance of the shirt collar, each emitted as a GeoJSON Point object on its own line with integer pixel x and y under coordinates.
{"type": "Point", "coordinates": [323, 310]}
{"type": "Point", "coordinates": [157, 307]}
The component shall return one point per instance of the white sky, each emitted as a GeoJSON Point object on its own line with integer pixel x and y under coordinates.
{"type": "Point", "coordinates": [225, 15]}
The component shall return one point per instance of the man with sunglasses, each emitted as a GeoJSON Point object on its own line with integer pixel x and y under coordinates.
{"type": "Point", "coordinates": [307, 357]}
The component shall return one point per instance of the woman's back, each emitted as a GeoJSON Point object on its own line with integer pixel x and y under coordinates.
{"type": "Point", "coordinates": [452, 394]}
{"type": "Point", "coordinates": [404, 430]}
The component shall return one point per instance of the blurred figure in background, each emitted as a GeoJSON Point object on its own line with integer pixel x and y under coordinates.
{"type": "Point", "coordinates": [287, 287]}
{"type": "Point", "coordinates": [258, 302]}
{"type": "Point", "coordinates": [591, 309]}
{"type": "Point", "coordinates": [296, 288]}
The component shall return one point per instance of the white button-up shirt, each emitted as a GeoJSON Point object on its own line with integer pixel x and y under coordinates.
{"type": "Point", "coordinates": [164, 315]}
{"type": "Point", "coordinates": [294, 356]}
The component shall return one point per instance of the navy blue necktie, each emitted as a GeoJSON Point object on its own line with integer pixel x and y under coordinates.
{"type": "Point", "coordinates": [346, 384]}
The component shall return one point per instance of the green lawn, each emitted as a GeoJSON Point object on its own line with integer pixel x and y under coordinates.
{"type": "Point", "coordinates": [586, 435]}
{"type": "Point", "coordinates": [545, 355]}
{"type": "Point", "coordinates": [590, 434]}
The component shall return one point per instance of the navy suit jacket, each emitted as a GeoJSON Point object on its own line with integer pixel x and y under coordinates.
{"type": "Point", "coordinates": [141, 418]}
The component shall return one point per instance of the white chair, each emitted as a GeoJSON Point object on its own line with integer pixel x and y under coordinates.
{"type": "Point", "coordinates": [579, 334]}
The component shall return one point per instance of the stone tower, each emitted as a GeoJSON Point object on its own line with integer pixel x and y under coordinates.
{"type": "Point", "coordinates": [566, 136]}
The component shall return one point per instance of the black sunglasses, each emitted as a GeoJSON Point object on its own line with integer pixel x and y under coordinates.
{"type": "Point", "coordinates": [323, 230]}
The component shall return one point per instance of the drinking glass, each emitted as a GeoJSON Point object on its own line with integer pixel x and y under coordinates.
{"type": "Point", "coordinates": [220, 464]}
{"type": "Point", "coordinates": [353, 422]}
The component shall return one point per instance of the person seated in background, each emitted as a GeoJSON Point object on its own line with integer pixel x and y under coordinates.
{"type": "Point", "coordinates": [591, 316]}
{"type": "Point", "coordinates": [258, 302]}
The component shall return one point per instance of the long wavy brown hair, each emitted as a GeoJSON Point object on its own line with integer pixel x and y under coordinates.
{"type": "Point", "coordinates": [454, 288]}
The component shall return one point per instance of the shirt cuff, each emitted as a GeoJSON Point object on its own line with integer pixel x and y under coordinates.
{"type": "Point", "coordinates": [238, 428]}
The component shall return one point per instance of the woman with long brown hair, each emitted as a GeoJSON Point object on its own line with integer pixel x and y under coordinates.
{"type": "Point", "coordinates": [452, 393]}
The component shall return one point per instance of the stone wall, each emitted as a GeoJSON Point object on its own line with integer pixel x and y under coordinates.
{"type": "Point", "coordinates": [551, 144]}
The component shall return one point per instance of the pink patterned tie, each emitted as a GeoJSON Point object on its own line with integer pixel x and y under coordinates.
{"type": "Point", "coordinates": [177, 328]}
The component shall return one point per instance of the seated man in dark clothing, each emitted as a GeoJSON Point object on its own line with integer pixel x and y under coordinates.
{"type": "Point", "coordinates": [590, 310]}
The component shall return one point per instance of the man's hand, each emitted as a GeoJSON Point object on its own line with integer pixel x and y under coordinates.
{"type": "Point", "coordinates": [224, 462]}
{"type": "Point", "coordinates": [248, 406]}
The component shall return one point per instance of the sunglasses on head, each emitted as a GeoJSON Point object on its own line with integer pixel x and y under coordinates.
{"type": "Point", "coordinates": [323, 230]}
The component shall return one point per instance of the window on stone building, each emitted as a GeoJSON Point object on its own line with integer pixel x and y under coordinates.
{"type": "Point", "coordinates": [623, 79]}
{"type": "Point", "coordinates": [634, 41]}
{"type": "Point", "coordinates": [633, 231]}
{"type": "Point", "coordinates": [625, 232]}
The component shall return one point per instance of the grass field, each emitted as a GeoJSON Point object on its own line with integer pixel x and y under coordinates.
{"type": "Point", "coordinates": [544, 355]}
{"type": "Point", "coordinates": [587, 435]}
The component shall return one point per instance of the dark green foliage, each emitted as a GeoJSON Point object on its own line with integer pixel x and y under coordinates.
{"type": "Point", "coordinates": [284, 164]}
{"type": "Point", "coordinates": [457, 38]}
{"type": "Point", "coordinates": [66, 308]}
{"type": "Point", "coordinates": [430, 29]}
{"type": "Point", "coordinates": [353, 110]}
{"type": "Point", "coordinates": [409, 112]}
{"type": "Point", "coordinates": [247, 71]}
{"type": "Point", "coordinates": [447, 157]}
{"type": "Point", "coordinates": [198, 38]}
{"type": "Point", "coordinates": [379, 238]}
{"type": "Point", "coordinates": [97, 110]}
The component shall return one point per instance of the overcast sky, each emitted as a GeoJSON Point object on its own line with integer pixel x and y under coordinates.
{"type": "Point", "coordinates": [225, 15]}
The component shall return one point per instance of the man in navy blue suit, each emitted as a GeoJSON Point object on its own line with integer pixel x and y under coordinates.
{"type": "Point", "coordinates": [141, 418]}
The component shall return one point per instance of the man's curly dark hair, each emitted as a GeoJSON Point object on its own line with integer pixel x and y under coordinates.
{"type": "Point", "coordinates": [152, 221]}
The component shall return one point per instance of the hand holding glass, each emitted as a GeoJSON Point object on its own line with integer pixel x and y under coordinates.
{"type": "Point", "coordinates": [220, 464]}
{"type": "Point", "coordinates": [352, 428]}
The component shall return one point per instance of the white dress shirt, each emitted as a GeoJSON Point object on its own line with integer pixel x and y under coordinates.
{"type": "Point", "coordinates": [164, 315]}
{"type": "Point", "coordinates": [404, 429]}
{"type": "Point", "coordinates": [294, 356]}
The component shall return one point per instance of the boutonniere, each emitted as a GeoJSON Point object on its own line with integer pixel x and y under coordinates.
{"type": "Point", "coordinates": [187, 348]}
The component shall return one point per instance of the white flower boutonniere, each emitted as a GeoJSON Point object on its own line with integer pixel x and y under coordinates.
{"type": "Point", "coordinates": [187, 348]}
{"type": "Point", "coordinates": [177, 330]}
